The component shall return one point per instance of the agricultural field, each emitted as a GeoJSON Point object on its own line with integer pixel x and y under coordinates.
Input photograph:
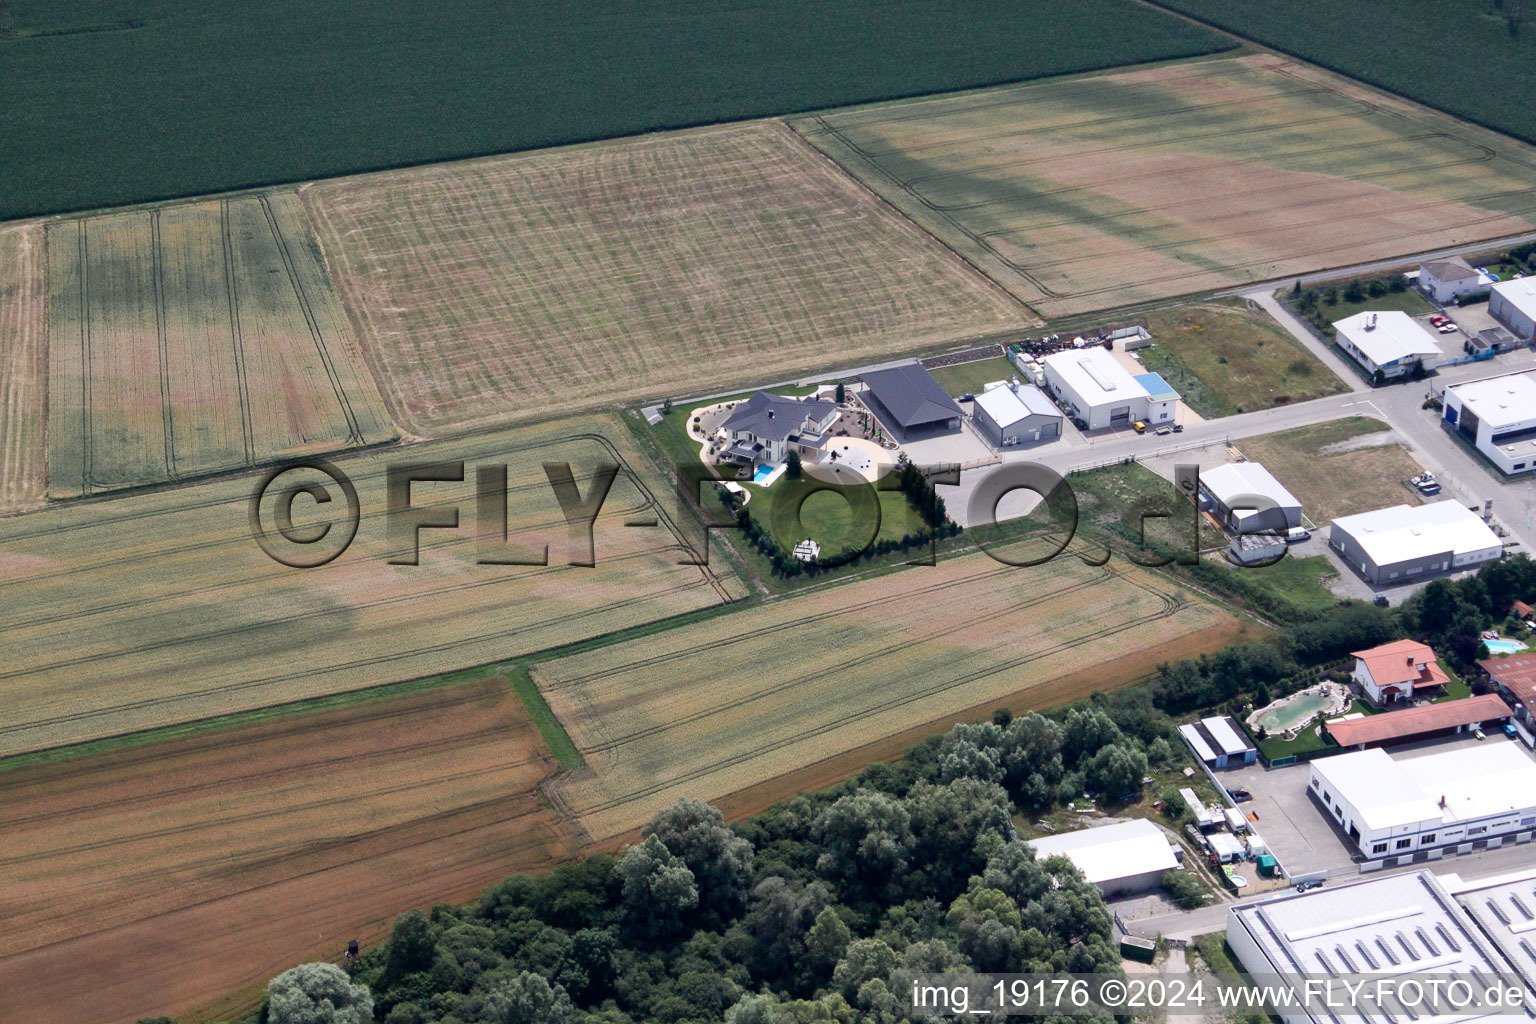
{"type": "Point", "coordinates": [1339, 468]}
{"type": "Point", "coordinates": [1224, 359]}
{"type": "Point", "coordinates": [178, 871]}
{"type": "Point", "coordinates": [161, 607]}
{"type": "Point", "coordinates": [23, 367]}
{"type": "Point", "coordinates": [134, 111]}
{"type": "Point", "coordinates": [193, 339]}
{"type": "Point", "coordinates": [520, 287]}
{"type": "Point", "coordinates": [1479, 66]}
{"type": "Point", "coordinates": [1121, 188]}
{"type": "Point", "coordinates": [721, 708]}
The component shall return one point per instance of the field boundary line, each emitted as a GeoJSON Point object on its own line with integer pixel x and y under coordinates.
{"type": "Point", "coordinates": [232, 293]}
{"type": "Point", "coordinates": [157, 274]}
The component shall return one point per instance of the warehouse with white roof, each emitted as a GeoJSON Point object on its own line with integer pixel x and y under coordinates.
{"type": "Point", "coordinates": [1389, 925]}
{"type": "Point", "coordinates": [1247, 498]}
{"type": "Point", "coordinates": [1009, 413]}
{"type": "Point", "coordinates": [1405, 542]}
{"type": "Point", "coordinates": [1513, 304]}
{"type": "Point", "coordinates": [1393, 806]}
{"type": "Point", "coordinates": [1390, 341]}
{"type": "Point", "coordinates": [1497, 416]}
{"type": "Point", "coordinates": [1504, 908]}
{"type": "Point", "coordinates": [1127, 857]}
{"type": "Point", "coordinates": [1095, 388]}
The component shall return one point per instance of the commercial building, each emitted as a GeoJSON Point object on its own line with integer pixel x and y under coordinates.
{"type": "Point", "coordinates": [1446, 280]}
{"type": "Point", "coordinates": [1219, 742]}
{"type": "Point", "coordinates": [1487, 711]}
{"type": "Point", "coordinates": [1393, 807]}
{"type": "Point", "coordinates": [1125, 858]}
{"type": "Point", "coordinates": [1405, 542]}
{"type": "Point", "coordinates": [1513, 304]}
{"type": "Point", "coordinates": [1389, 341]}
{"type": "Point", "coordinates": [1012, 413]}
{"type": "Point", "coordinates": [1401, 670]}
{"type": "Point", "coordinates": [1247, 498]}
{"type": "Point", "coordinates": [1410, 923]}
{"type": "Point", "coordinates": [1497, 416]}
{"type": "Point", "coordinates": [1096, 389]}
{"type": "Point", "coordinates": [1504, 909]}
{"type": "Point", "coordinates": [1515, 676]}
{"type": "Point", "coordinates": [763, 429]}
{"type": "Point", "coordinates": [910, 403]}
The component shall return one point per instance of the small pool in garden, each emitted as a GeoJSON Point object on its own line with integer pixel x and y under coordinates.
{"type": "Point", "coordinates": [1504, 646]}
{"type": "Point", "coordinates": [764, 476]}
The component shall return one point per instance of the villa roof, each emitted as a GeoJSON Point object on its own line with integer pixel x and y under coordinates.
{"type": "Point", "coordinates": [775, 417]}
{"type": "Point", "coordinates": [1398, 725]}
{"type": "Point", "coordinates": [1403, 661]}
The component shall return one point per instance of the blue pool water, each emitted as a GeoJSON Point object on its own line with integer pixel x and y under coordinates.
{"type": "Point", "coordinates": [763, 472]}
{"type": "Point", "coordinates": [1504, 646]}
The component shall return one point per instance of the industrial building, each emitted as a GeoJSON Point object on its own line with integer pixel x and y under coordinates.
{"type": "Point", "coordinates": [1497, 416]}
{"type": "Point", "coordinates": [1128, 857]}
{"type": "Point", "coordinates": [1406, 542]}
{"type": "Point", "coordinates": [910, 403]}
{"type": "Point", "coordinates": [1096, 389]}
{"type": "Point", "coordinates": [1219, 742]}
{"type": "Point", "coordinates": [1444, 281]}
{"type": "Point", "coordinates": [1513, 304]}
{"type": "Point", "coordinates": [1401, 670]}
{"type": "Point", "coordinates": [1427, 721]}
{"type": "Point", "coordinates": [1393, 807]}
{"type": "Point", "coordinates": [1390, 341]}
{"type": "Point", "coordinates": [1504, 909]}
{"type": "Point", "coordinates": [1011, 413]}
{"type": "Point", "coordinates": [1411, 923]}
{"type": "Point", "coordinates": [1247, 498]}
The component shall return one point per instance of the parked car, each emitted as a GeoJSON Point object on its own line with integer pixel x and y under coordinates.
{"type": "Point", "coordinates": [1178, 428]}
{"type": "Point", "coordinates": [1509, 730]}
{"type": "Point", "coordinates": [1240, 795]}
{"type": "Point", "coordinates": [1139, 426]}
{"type": "Point", "coordinates": [1296, 534]}
{"type": "Point", "coordinates": [1439, 320]}
{"type": "Point", "coordinates": [1448, 328]}
{"type": "Point", "coordinates": [1304, 886]}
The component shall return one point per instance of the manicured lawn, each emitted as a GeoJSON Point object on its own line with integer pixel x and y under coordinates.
{"type": "Point", "coordinates": [1306, 742]}
{"type": "Point", "coordinates": [1224, 359]}
{"type": "Point", "coordinates": [671, 434]}
{"type": "Point", "coordinates": [1337, 483]}
{"type": "Point", "coordinates": [969, 378]}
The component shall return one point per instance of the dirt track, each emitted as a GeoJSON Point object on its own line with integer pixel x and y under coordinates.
{"type": "Point", "coordinates": [146, 881]}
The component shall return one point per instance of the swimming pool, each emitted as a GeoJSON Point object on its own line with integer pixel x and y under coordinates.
{"type": "Point", "coordinates": [1504, 646]}
{"type": "Point", "coordinates": [1292, 712]}
{"type": "Point", "coordinates": [764, 476]}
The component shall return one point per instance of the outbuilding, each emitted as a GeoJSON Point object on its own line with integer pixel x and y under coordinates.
{"type": "Point", "coordinates": [1011, 413]}
{"type": "Point", "coordinates": [1247, 498]}
{"type": "Point", "coordinates": [910, 402]}
{"type": "Point", "coordinates": [1219, 742]}
{"type": "Point", "coordinates": [1513, 304]}
{"type": "Point", "coordinates": [1423, 722]}
{"type": "Point", "coordinates": [1408, 542]}
{"type": "Point", "coordinates": [1123, 858]}
{"type": "Point", "coordinates": [1389, 341]}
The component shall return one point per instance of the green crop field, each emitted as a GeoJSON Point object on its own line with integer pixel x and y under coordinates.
{"type": "Point", "coordinates": [1127, 187]}
{"type": "Point", "coordinates": [107, 102]}
{"type": "Point", "coordinates": [1462, 58]}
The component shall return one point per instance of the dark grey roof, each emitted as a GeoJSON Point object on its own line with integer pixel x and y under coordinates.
{"type": "Point", "coordinates": [775, 417]}
{"type": "Point", "coordinates": [911, 395]}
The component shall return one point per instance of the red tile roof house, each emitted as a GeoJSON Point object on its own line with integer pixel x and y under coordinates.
{"type": "Point", "coordinates": [1399, 671]}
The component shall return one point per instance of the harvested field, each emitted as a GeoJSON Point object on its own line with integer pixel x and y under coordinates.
{"type": "Point", "coordinates": [160, 607]}
{"type": "Point", "coordinates": [1125, 187]}
{"type": "Point", "coordinates": [23, 367]}
{"type": "Point", "coordinates": [193, 339]}
{"type": "Point", "coordinates": [712, 709]}
{"type": "Point", "coordinates": [173, 874]}
{"type": "Point", "coordinates": [515, 287]}
{"type": "Point", "coordinates": [1336, 469]}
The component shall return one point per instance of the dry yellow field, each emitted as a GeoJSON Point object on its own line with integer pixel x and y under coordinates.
{"type": "Point", "coordinates": [515, 287]}
{"type": "Point", "coordinates": [710, 709]}
{"type": "Point", "coordinates": [159, 608]}
{"type": "Point", "coordinates": [23, 367]}
{"type": "Point", "coordinates": [1109, 189]}
{"type": "Point", "coordinates": [196, 338]}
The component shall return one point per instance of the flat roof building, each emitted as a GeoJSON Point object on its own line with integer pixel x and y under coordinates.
{"type": "Point", "coordinates": [1504, 909]}
{"type": "Point", "coordinates": [1247, 498]}
{"type": "Point", "coordinates": [1406, 923]}
{"type": "Point", "coordinates": [1012, 413]}
{"type": "Point", "coordinates": [1219, 742]}
{"type": "Point", "coordinates": [1401, 543]}
{"type": "Point", "coordinates": [1418, 723]}
{"type": "Point", "coordinates": [1095, 388]}
{"type": "Point", "coordinates": [1389, 340]}
{"type": "Point", "coordinates": [1123, 858]}
{"type": "Point", "coordinates": [1513, 304]}
{"type": "Point", "coordinates": [1497, 416]}
{"type": "Point", "coordinates": [1392, 807]}
{"type": "Point", "coordinates": [910, 402]}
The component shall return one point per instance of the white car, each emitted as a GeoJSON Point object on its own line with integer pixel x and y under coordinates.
{"type": "Point", "coordinates": [1448, 328]}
